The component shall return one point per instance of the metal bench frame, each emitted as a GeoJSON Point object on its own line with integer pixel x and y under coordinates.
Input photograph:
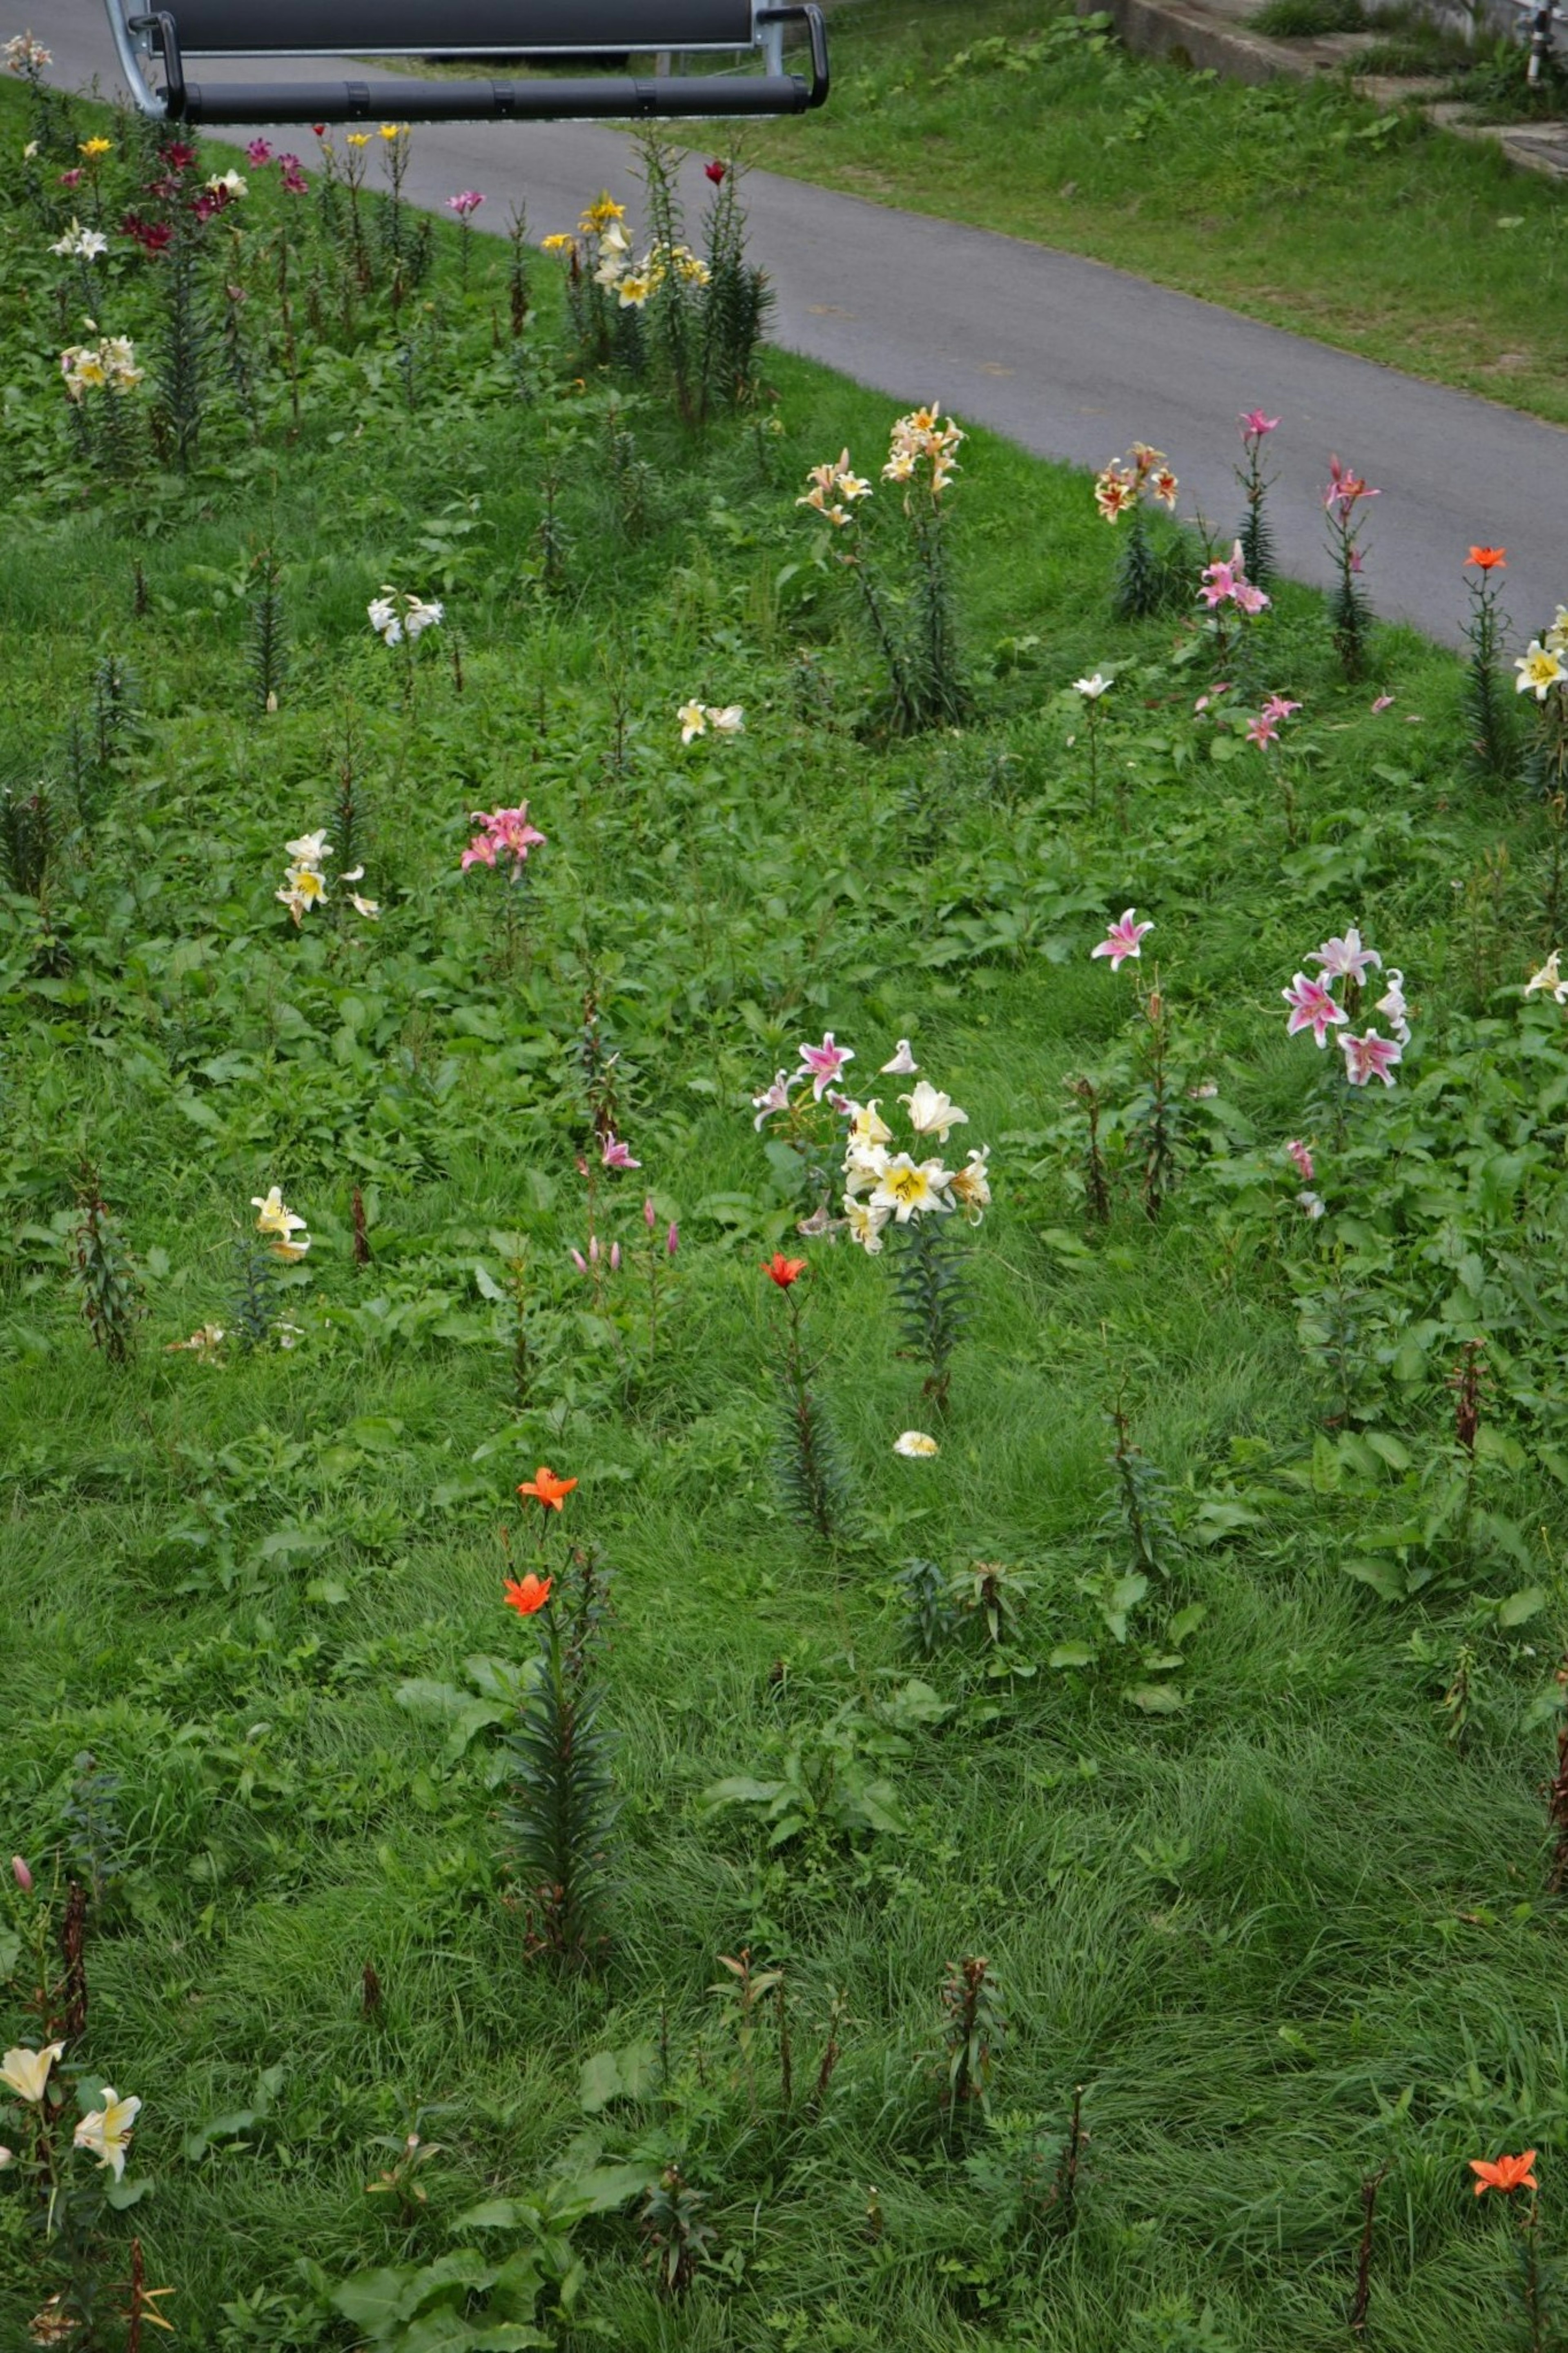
{"type": "Point", "coordinates": [139, 38]}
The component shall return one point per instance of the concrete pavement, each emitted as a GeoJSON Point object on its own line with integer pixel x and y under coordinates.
{"type": "Point", "coordinates": [1070, 358]}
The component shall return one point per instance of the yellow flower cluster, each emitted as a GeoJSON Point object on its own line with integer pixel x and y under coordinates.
{"type": "Point", "coordinates": [834, 490]}
{"type": "Point", "coordinates": [108, 365]}
{"type": "Point", "coordinates": [921, 438]}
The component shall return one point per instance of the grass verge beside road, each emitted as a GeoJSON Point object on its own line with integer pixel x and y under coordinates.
{"type": "Point", "coordinates": [1297, 203]}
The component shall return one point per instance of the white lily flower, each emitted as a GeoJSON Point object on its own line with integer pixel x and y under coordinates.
{"type": "Point", "coordinates": [909, 1187]}
{"type": "Point", "coordinates": [932, 1113]}
{"type": "Point", "coordinates": [310, 849]}
{"type": "Point", "coordinates": [1091, 689]}
{"type": "Point", "coordinates": [693, 719]}
{"type": "Point", "coordinates": [730, 720]}
{"type": "Point", "coordinates": [28, 2072]}
{"type": "Point", "coordinates": [903, 1064]}
{"type": "Point", "coordinates": [1549, 978]}
{"type": "Point", "coordinates": [916, 1443]}
{"type": "Point", "coordinates": [107, 2130]}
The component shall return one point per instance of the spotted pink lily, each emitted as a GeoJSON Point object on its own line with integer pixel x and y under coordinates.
{"type": "Point", "coordinates": [617, 1155]}
{"type": "Point", "coordinates": [1280, 706]}
{"type": "Point", "coordinates": [1370, 1057]}
{"type": "Point", "coordinates": [1263, 730]}
{"type": "Point", "coordinates": [823, 1063]}
{"type": "Point", "coordinates": [771, 1099]}
{"type": "Point", "coordinates": [1122, 940]}
{"type": "Point", "coordinates": [1253, 422]}
{"type": "Point", "coordinates": [507, 831]}
{"type": "Point", "coordinates": [1311, 1007]}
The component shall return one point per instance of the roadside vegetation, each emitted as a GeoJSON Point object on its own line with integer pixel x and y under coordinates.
{"type": "Point", "coordinates": [1297, 203]}
{"type": "Point", "coordinates": [780, 1333]}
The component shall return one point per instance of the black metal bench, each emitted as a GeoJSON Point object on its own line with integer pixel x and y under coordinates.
{"type": "Point", "coordinates": [537, 29]}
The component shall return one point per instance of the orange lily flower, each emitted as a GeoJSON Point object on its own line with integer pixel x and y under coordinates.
{"type": "Point", "coordinates": [547, 1488]}
{"type": "Point", "coordinates": [1488, 559]}
{"type": "Point", "coordinates": [531, 1595]}
{"type": "Point", "coordinates": [1507, 2173]}
{"type": "Point", "coordinates": [784, 1271]}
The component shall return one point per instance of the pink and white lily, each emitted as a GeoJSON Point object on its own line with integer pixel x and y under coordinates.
{"type": "Point", "coordinates": [1311, 1007]}
{"type": "Point", "coordinates": [1123, 939]}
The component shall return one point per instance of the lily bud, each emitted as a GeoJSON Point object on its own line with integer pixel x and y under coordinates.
{"type": "Point", "coordinates": [579, 1261]}
{"type": "Point", "coordinates": [21, 1874]}
{"type": "Point", "coordinates": [593, 1249]}
{"type": "Point", "coordinates": [615, 1258]}
{"type": "Point", "coordinates": [649, 1215]}
{"type": "Point", "coordinates": [672, 1239]}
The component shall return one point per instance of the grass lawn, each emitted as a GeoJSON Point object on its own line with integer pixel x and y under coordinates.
{"type": "Point", "coordinates": [1214, 1751]}
{"type": "Point", "coordinates": [1295, 202]}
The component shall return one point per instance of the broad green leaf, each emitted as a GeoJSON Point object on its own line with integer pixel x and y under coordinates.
{"type": "Point", "coordinates": [1073, 1654]}
{"type": "Point", "coordinates": [1384, 1576]}
{"type": "Point", "coordinates": [1158, 1699]}
{"type": "Point", "coordinates": [1520, 1607]}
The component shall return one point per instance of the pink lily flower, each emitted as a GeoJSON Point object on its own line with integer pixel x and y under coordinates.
{"type": "Point", "coordinates": [1280, 707]}
{"type": "Point", "coordinates": [1249, 599]}
{"type": "Point", "coordinates": [1370, 1057]}
{"type": "Point", "coordinates": [1263, 730]}
{"type": "Point", "coordinates": [1302, 1159]}
{"type": "Point", "coordinates": [617, 1155]}
{"type": "Point", "coordinates": [466, 201]}
{"type": "Point", "coordinates": [771, 1099]}
{"type": "Point", "coordinates": [259, 152]}
{"type": "Point", "coordinates": [1346, 959]}
{"type": "Point", "coordinates": [672, 1239]}
{"type": "Point", "coordinates": [1381, 701]}
{"type": "Point", "coordinates": [1311, 1007]}
{"type": "Point", "coordinates": [1253, 422]}
{"type": "Point", "coordinates": [1219, 582]}
{"type": "Point", "coordinates": [1345, 487]}
{"type": "Point", "coordinates": [822, 1064]}
{"type": "Point", "coordinates": [1122, 940]}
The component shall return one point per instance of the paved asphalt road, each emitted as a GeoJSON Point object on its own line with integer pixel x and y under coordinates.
{"type": "Point", "coordinates": [1070, 357]}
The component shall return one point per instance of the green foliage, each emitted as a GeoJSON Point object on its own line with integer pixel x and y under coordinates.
{"type": "Point", "coordinates": [105, 1275]}
{"type": "Point", "coordinates": [561, 1804]}
{"type": "Point", "coordinates": [1206, 1820]}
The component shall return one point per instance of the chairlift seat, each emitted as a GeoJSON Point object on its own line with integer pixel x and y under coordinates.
{"type": "Point", "coordinates": [172, 36]}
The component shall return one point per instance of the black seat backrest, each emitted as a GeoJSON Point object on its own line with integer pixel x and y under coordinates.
{"type": "Point", "coordinates": [255, 27]}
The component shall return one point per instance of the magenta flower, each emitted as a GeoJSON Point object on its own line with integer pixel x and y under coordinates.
{"type": "Point", "coordinates": [294, 181]}
{"type": "Point", "coordinates": [773, 1098]}
{"type": "Point", "coordinates": [466, 201]}
{"type": "Point", "coordinates": [617, 1155]}
{"type": "Point", "coordinates": [1254, 424]}
{"type": "Point", "coordinates": [672, 1239]}
{"type": "Point", "coordinates": [1250, 599]}
{"type": "Point", "coordinates": [579, 1261]}
{"type": "Point", "coordinates": [259, 152]}
{"type": "Point", "coordinates": [1370, 1057]}
{"type": "Point", "coordinates": [507, 831]}
{"type": "Point", "coordinates": [822, 1064]}
{"type": "Point", "coordinates": [1263, 730]}
{"type": "Point", "coordinates": [1278, 707]}
{"type": "Point", "coordinates": [1311, 1007]}
{"type": "Point", "coordinates": [1302, 1159]}
{"type": "Point", "coordinates": [1346, 959]}
{"type": "Point", "coordinates": [1122, 940]}
{"type": "Point", "coordinates": [1219, 582]}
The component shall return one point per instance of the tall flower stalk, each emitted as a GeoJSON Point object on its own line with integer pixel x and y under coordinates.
{"type": "Point", "coordinates": [1542, 672]}
{"type": "Point", "coordinates": [920, 652]}
{"type": "Point", "coordinates": [1131, 486]}
{"type": "Point", "coordinates": [561, 1804]}
{"type": "Point", "coordinates": [890, 1194]}
{"type": "Point", "coordinates": [1350, 609]}
{"type": "Point", "coordinates": [1256, 539]}
{"type": "Point", "coordinates": [1486, 703]}
{"type": "Point", "coordinates": [812, 1479]}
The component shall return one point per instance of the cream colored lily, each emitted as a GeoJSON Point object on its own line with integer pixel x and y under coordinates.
{"type": "Point", "coordinates": [107, 2130]}
{"type": "Point", "coordinates": [28, 2072]}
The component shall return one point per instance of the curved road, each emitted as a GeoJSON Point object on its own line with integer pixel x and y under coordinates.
{"type": "Point", "coordinates": [1070, 358]}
